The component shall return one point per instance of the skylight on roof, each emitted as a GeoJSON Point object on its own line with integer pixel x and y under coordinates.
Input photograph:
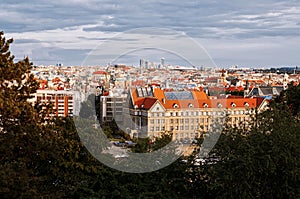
{"type": "Point", "coordinates": [185, 95]}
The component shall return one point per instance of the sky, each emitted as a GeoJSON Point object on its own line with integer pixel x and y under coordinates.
{"type": "Point", "coordinates": [257, 33]}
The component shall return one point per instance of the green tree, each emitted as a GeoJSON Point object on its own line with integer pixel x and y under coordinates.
{"type": "Point", "coordinates": [291, 97]}
{"type": "Point", "coordinates": [24, 149]}
{"type": "Point", "coordinates": [261, 162]}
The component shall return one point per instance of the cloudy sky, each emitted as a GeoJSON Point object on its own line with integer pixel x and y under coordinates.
{"type": "Point", "coordinates": [253, 33]}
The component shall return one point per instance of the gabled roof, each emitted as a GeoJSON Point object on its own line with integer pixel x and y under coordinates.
{"type": "Point", "coordinates": [266, 91]}
{"type": "Point", "coordinates": [148, 103]}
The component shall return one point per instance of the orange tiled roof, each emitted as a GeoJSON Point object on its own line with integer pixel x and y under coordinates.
{"type": "Point", "coordinates": [200, 100]}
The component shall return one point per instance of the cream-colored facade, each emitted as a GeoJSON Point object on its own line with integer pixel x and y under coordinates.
{"type": "Point", "coordinates": [186, 119]}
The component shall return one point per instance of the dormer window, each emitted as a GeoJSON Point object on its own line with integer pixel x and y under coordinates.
{"type": "Point", "coordinates": [191, 105]}
{"type": "Point", "coordinates": [233, 104]}
{"type": "Point", "coordinates": [175, 106]}
{"type": "Point", "coordinates": [246, 104]}
{"type": "Point", "coordinates": [205, 105]}
{"type": "Point", "coordinates": [219, 105]}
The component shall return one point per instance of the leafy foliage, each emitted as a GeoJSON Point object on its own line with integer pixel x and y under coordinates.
{"type": "Point", "coordinates": [264, 163]}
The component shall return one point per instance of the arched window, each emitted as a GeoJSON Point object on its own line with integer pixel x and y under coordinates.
{"type": "Point", "coordinates": [191, 105]}
{"type": "Point", "coordinates": [233, 104]}
{"type": "Point", "coordinates": [246, 104]}
{"type": "Point", "coordinates": [219, 105]}
{"type": "Point", "coordinates": [175, 105]}
{"type": "Point", "coordinates": [205, 105]}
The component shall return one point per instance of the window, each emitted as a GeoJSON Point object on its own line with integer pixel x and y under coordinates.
{"type": "Point", "coordinates": [191, 105]}
{"type": "Point", "coordinates": [157, 128]}
{"type": "Point", "coordinates": [186, 127]}
{"type": "Point", "coordinates": [219, 105]}
{"type": "Point", "coordinates": [233, 104]}
{"type": "Point", "coordinates": [152, 121]}
{"type": "Point", "coordinates": [175, 106]}
{"type": "Point", "coordinates": [186, 120]}
{"type": "Point", "coordinates": [152, 129]}
{"type": "Point", "coordinates": [205, 105]}
{"type": "Point", "coordinates": [246, 104]}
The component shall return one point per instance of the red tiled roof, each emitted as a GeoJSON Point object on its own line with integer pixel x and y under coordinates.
{"type": "Point", "coordinates": [56, 79]}
{"type": "Point", "coordinates": [138, 83]}
{"type": "Point", "coordinates": [200, 99]}
{"type": "Point", "coordinates": [148, 103]}
{"type": "Point", "coordinates": [99, 72]}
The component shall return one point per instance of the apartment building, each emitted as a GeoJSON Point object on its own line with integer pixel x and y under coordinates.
{"type": "Point", "coordinates": [62, 100]}
{"type": "Point", "coordinates": [111, 108]}
{"type": "Point", "coordinates": [186, 114]}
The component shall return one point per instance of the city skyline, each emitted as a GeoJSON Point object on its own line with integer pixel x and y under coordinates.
{"type": "Point", "coordinates": [249, 34]}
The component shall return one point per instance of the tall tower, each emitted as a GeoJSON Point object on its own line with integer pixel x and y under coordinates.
{"type": "Point", "coordinates": [162, 62]}
{"type": "Point", "coordinates": [142, 63]}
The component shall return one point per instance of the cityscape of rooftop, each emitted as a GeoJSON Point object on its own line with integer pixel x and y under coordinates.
{"type": "Point", "coordinates": [150, 99]}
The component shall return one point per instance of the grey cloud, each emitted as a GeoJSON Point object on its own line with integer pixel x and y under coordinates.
{"type": "Point", "coordinates": [125, 15]}
{"type": "Point", "coordinates": [26, 41]}
{"type": "Point", "coordinates": [59, 55]}
{"type": "Point", "coordinates": [207, 19]}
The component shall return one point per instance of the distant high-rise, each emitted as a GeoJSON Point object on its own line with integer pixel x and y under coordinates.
{"type": "Point", "coordinates": [142, 63]}
{"type": "Point", "coordinates": [162, 62]}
